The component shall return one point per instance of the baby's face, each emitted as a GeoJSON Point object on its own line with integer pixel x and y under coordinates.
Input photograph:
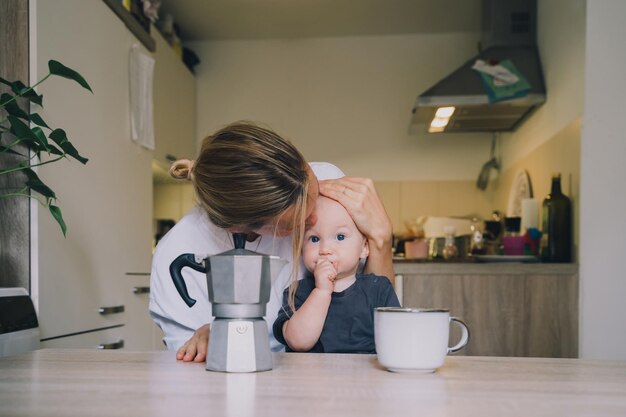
{"type": "Point", "coordinates": [334, 237]}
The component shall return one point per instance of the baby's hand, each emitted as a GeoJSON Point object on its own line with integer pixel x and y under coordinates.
{"type": "Point", "coordinates": [325, 273]}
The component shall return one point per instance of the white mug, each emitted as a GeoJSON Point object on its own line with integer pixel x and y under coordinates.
{"type": "Point", "coordinates": [414, 340]}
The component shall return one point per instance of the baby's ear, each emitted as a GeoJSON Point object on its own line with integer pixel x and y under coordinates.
{"type": "Point", "coordinates": [366, 250]}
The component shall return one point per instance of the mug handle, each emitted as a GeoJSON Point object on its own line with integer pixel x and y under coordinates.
{"type": "Point", "coordinates": [464, 336]}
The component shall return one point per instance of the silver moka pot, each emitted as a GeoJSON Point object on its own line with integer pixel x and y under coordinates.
{"type": "Point", "coordinates": [239, 283]}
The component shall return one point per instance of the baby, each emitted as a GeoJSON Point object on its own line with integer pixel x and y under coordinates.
{"type": "Point", "coordinates": [334, 303]}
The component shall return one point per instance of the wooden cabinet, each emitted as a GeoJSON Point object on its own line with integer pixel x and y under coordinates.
{"type": "Point", "coordinates": [174, 93]}
{"type": "Point", "coordinates": [511, 309]}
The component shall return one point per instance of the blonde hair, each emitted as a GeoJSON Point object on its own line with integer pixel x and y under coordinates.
{"type": "Point", "coordinates": [246, 176]}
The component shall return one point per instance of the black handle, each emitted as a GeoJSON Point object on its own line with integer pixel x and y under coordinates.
{"type": "Point", "coordinates": [111, 310]}
{"type": "Point", "coordinates": [239, 239]}
{"type": "Point", "coordinates": [186, 259]}
{"type": "Point", "coordinates": [115, 345]}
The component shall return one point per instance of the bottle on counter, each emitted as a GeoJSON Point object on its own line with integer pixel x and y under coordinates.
{"type": "Point", "coordinates": [450, 251]}
{"type": "Point", "coordinates": [556, 241]}
{"type": "Point", "coordinates": [477, 245]}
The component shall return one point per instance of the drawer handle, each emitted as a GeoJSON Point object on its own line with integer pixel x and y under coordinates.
{"type": "Point", "coordinates": [114, 345]}
{"type": "Point", "coordinates": [111, 310]}
{"type": "Point", "coordinates": [141, 290]}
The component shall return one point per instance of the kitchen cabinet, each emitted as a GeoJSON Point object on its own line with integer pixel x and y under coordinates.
{"type": "Point", "coordinates": [110, 339]}
{"type": "Point", "coordinates": [140, 332]}
{"type": "Point", "coordinates": [173, 201]}
{"type": "Point", "coordinates": [107, 203]}
{"type": "Point", "coordinates": [174, 97]}
{"type": "Point", "coordinates": [511, 309]}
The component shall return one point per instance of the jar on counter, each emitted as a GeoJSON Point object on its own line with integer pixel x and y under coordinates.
{"type": "Point", "coordinates": [512, 241]}
{"type": "Point", "coordinates": [450, 251]}
{"type": "Point", "coordinates": [416, 249]}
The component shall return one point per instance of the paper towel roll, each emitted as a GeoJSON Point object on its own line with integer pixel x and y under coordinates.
{"type": "Point", "coordinates": [530, 214]}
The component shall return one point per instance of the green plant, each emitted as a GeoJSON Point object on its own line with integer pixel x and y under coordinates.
{"type": "Point", "coordinates": [23, 140]}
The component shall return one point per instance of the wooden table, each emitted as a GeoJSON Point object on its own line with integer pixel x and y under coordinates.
{"type": "Point", "coordinates": [103, 383]}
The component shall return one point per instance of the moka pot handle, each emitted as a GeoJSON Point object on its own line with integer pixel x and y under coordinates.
{"type": "Point", "coordinates": [176, 267]}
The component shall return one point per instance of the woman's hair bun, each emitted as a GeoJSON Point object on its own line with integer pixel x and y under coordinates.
{"type": "Point", "coordinates": [182, 169]}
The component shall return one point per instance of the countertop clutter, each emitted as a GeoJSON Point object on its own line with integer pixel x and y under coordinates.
{"type": "Point", "coordinates": [104, 383]}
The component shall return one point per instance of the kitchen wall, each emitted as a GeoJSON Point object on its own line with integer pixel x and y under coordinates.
{"type": "Point", "coordinates": [549, 141]}
{"type": "Point", "coordinates": [603, 201]}
{"type": "Point", "coordinates": [560, 153]}
{"type": "Point", "coordinates": [346, 100]}
{"type": "Point", "coordinates": [561, 41]}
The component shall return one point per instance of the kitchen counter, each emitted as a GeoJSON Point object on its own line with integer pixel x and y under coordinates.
{"type": "Point", "coordinates": [104, 383]}
{"type": "Point", "coordinates": [512, 309]}
{"type": "Point", "coordinates": [409, 266]}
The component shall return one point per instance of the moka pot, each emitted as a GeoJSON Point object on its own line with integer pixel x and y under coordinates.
{"type": "Point", "coordinates": [239, 283]}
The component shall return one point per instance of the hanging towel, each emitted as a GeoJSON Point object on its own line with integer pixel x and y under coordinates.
{"type": "Point", "coordinates": [141, 117]}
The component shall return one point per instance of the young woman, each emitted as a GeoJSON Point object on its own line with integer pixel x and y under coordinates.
{"type": "Point", "coordinates": [249, 179]}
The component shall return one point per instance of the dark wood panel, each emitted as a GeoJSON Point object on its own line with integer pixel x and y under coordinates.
{"type": "Point", "coordinates": [14, 212]}
{"type": "Point", "coordinates": [508, 315]}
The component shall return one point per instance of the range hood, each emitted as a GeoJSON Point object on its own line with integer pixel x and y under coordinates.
{"type": "Point", "coordinates": [509, 32]}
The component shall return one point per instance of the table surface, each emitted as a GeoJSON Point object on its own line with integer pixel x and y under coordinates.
{"type": "Point", "coordinates": [64, 382]}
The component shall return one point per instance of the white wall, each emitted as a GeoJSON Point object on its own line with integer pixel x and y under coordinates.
{"type": "Point", "coordinates": [603, 171]}
{"type": "Point", "coordinates": [561, 42]}
{"type": "Point", "coordinates": [346, 100]}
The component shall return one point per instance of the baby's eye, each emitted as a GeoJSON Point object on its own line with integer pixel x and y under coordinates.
{"type": "Point", "coordinates": [314, 239]}
{"type": "Point", "coordinates": [341, 236]}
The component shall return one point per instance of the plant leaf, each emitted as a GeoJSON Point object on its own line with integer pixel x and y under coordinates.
{"type": "Point", "coordinates": [61, 70]}
{"type": "Point", "coordinates": [60, 138]}
{"type": "Point", "coordinates": [56, 213]}
{"type": "Point", "coordinates": [5, 82]}
{"type": "Point", "coordinates": [23, 132]}
{"type": "Point", "coordinates": [22, 90]}
{"type": "Point", "coordinates": [41, 136]}
{"type": "Point", "coordinates": [12, 107]}
{"type": "Point", "coordinates": [36, 118]}
{"type": "Point", "coordinates": [37, 185]}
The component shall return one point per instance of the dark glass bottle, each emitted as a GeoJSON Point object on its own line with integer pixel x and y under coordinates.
{"type": "Point", "coordinates": [557, 225]}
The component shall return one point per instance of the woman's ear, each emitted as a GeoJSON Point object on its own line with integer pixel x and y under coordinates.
{"type": "Point", "coordinates": [366, 250]}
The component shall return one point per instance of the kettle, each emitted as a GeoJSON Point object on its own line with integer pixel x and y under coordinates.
{"type": "Point", "coordinates": [239, 283]}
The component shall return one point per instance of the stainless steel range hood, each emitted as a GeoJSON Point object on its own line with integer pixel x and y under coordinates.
{"type": "Point", "coordinates": [509, 32]}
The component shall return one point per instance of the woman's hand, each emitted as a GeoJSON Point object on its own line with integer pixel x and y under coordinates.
{"type": "Point", "coordinates": [195, 348]}
{"type": "Point", "coordinates": [360, 199]}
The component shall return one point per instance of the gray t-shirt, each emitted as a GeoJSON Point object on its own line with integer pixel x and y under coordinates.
{"type": "Point", "coordinates": [349, 325]}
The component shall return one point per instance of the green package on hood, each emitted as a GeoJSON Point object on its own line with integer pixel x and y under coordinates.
{"type": "Point", "coordinates": [502, 81]}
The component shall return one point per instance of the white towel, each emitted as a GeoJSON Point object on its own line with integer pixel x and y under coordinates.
{"type": "Point", "coordinates": [141, 117]}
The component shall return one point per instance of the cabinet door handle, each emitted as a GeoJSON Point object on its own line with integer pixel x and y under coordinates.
{"type": "Point", "coordinates": [114, 345]}
{"type": "Point", "coordinates": [141, 290]}
{"type": "Point", "coordinates": [111, 310]}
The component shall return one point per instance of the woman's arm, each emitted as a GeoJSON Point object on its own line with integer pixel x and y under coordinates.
{"type": "Point", "coordinates": [359, 197]}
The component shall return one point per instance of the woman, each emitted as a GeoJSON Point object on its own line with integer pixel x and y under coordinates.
{"type": "Point", "coordinates": [249, 179]}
